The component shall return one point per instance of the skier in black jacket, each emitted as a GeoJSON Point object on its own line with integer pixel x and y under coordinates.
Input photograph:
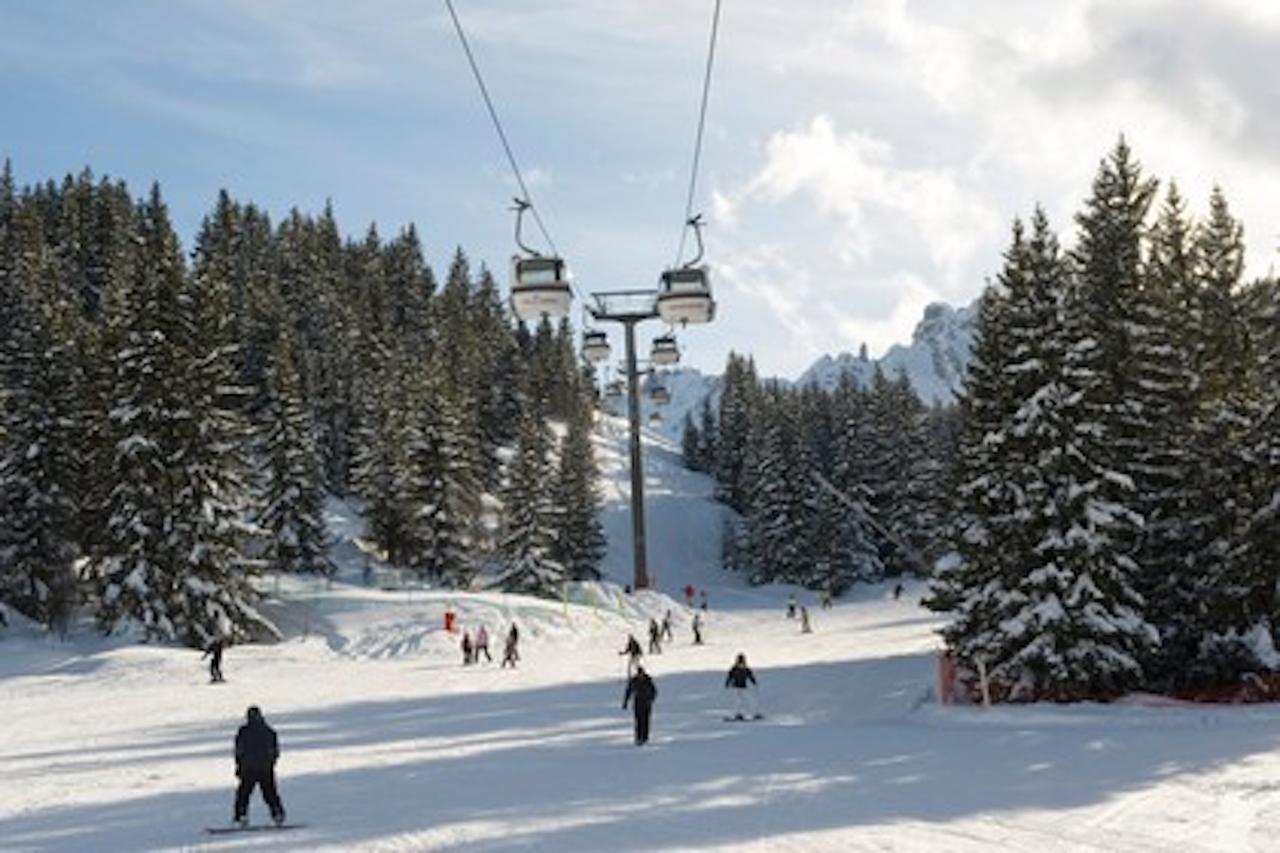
{"type": "Point", "coordinates": [739, 677]}
{"type": "Point", "coordinates": [633, 653]}
{"type": "Point", "coordinates": [257, 749]}
{"type": "Point", "coordinates": [642, 690]}
{"type": "Point", "coordinates": [214, 651]}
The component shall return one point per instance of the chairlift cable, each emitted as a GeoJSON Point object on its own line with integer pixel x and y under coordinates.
{"type": "Point", "coordinates": [702, 121]}
{"type": "Point", "coordinates": [497, 125]}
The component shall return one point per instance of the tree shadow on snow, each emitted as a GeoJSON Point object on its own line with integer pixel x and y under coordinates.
{"type": "Point", "coordinates": [553, 767]}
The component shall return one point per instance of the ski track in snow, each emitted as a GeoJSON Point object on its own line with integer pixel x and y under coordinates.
{"type": "Point", "coordinates": [388, 744]}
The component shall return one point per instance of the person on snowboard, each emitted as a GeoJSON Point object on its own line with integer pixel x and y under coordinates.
{"type": "Point", "coordinates": [257, 750]}
{"type": "Point", "coordinates": [214, 651]}
{"type": "Point", "coordinates": [641, 688]}
{"type": "Point", "coordinates": [655, 637]}
{"type": "Point", "coordinates": [633, 653]}
{"type": "Point", "coordinates": [482, 645]}
{"type": "Point", "coordinates": [739, 677]}
{"type": "Point", "coordinates": [697, 629]}
{"type": "Point", "coordinates": [509, 653]}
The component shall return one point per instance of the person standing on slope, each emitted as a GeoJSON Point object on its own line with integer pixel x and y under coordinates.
{"type": "Point", "coordinates": [466, 648]}
{"type": "Point", "coordinates": [509, 652]}
{"type": "Point", "coordinates": [214, 652]}
{"type": "Point", "coordinates": [641, 689]}
{"type": "Point", "coordinates": [697, 629]}
{"type": "Point", "coordinates": [805, 627]}
{"type": "Point", "coordinates": [482, 645]}
{"type": "Point", "coordinates": [791, 606]}
{"type": "Point", "coordinates": [655, 637]}
{"type": "Point", "coordinates": [740, 675]}
{"type": "Point", "coordinates": [633, 653]}
{"type": "Point", "coordinates": [688, 594]}
{"type": "Point", "coordinates": [666, 627]}
{"type": "Point", "coordinates": [257, 750]}
{"type": "Point", "coordinates": [826, 599]}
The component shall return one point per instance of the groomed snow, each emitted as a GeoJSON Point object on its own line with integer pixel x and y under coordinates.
{"type": "Point", "coordinates": [389, 744]}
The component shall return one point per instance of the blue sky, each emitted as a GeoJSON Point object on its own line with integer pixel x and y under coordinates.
{"type": "Point", "coordinates": [862, 158]}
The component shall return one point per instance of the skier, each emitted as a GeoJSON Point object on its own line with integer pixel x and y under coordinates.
{"type": "Point", "coordinates": [805, 627]}
{"type": "Point", "coordinates": [740, 675]}
{"type": "Point", "coordinates": [466, 648]}
{"type": "Point", "coordinates": [482, 645]}
{"type": "Point", "coordinates": [666, 627]}
{"type": "Point", "coordinates": [632, 650]}
{"type": "Point", "coordinates": [257, 749]}
{"type": "Point", "coordinates": [688, 594]}
{"type": "Point", "coordinates": [791, 606]}
{"type": "Point", "coordinates": [640, 687]}
{"type": "Point", "coordinates": [509, 653]}
{"type": "Point", "coordinates": [697, 629]}
{"type": "Point", "coordinates": [214, 651]}
{"type": "Point", "coordinates": [655, 637]}
{"type": "Point", "coordinates": [704, 599]}
{"type": "Point", "coordinates": [897, 592]}
{"type": "Point", "coordinates": [826, 599]}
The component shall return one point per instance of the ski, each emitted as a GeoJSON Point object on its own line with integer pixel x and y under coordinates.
{"type": "Point", "coordinates": [259, 827]}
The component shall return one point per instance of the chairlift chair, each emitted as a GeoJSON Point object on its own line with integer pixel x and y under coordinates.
{"type": "Point", "coordinates": [539, 283]}
{"type": "Point", "coordinates": [659, 395]}
{"type": "Point", "coordinates": [665, 351]}
{"type": "Point", "coordinates": [595, 345]}
{"type": "Point", "coordinates": [684, 293]}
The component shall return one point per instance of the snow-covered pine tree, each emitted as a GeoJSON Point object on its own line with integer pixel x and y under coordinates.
{"type": "Point", "coordinates": [38, 379]}
{"type": "Point", "coordinates": [1166, 476]}
{"type": "Point", "coordinates": [529, 517]}
{"type": "Point", "coordinates": [579, 543]}
{"type": "Point", "coordinates": [777, 512]}
{"type": "Point", "coordinates": [441, 488]}
{"type": "Point", "coordinates": [292, 515]}
{"type": "Point", "coordinates": [380, 470]}
{"type": "Point", "coordinates": [1071, 625]}
{"type": "Point", "coordinates": [691, 444]}
{"type": "Point", "coordinates": [172, 563]}
{"type": "Point", "coordinates": [738, 407]}
{"type": "Point", "coordinates": [708, 432]}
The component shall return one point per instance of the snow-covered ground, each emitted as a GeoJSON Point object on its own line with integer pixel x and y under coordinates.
{"type": "Point", "coordinates": [389, 744]}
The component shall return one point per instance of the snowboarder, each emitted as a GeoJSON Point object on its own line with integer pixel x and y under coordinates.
{"type": "Point", "coordinates": [791, 606]}
{"type": "Point", "coordinates": [666, 627]}
{"type": "Point", "coordinates": [688, 594]}
{"type": "Point", "coordinates": [633, 653]}
{"type": "Point", "coordinates": [826, 599]}
{"type": "Point", "coordinates": [257, 750]}
{"type": "Point", "coordinates": [697, 629]}
{"type": "Point", "coordinates": [482, 645]}
{"type": "Point", "coordinates": [704, 599]}
{"type": "Point", "coordinates": [214, 652]}
{"type": "Point", "coordinates": [466, 648]}
{"type": "Point", "coordinates": [641, 688]}
{"type": "Point", "coordinates": [805, 627]}
{"type": "Point", "coordinates": [655, 637]}
{"type": "Point", "coordinates": [738, 679]}
{"type": "Point", "coordinates": [509, 653]}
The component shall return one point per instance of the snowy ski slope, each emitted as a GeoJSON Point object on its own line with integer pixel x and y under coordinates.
{"type": "Point", "coordinates": [389, 744]}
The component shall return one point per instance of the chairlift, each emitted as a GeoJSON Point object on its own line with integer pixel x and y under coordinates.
{"type": "Point", "coordinates": [659, 394]}
{"type": "Point", "coordinates": [613, 390]}
{"type": "Point", "coordinates": [595, 345]}
{"type": "Point", "coordinates": [665, 351]}
{"type": "Point", "coordinates": [539, 283]}
{"type": "Point", "coordinates": [684, 293]}
{"type": "Point", "coordinates": [655, 417]}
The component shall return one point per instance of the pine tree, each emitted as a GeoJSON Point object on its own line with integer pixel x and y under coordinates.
{"type": "Point", "coordinates": [293, 501]}
{"type": "Point", "coordinates": [580, 542]}
{"type": "Point", "coordinates": [691, 444]}
{"type": "Point", "coordinates": [530, 518]}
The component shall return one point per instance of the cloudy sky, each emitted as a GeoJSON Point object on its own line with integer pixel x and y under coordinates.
{"type": "Point", "coordinates": [862, 160]}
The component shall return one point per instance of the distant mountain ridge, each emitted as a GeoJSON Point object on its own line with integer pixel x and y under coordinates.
{"type": "Point", "coordinates": [935, 361]}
